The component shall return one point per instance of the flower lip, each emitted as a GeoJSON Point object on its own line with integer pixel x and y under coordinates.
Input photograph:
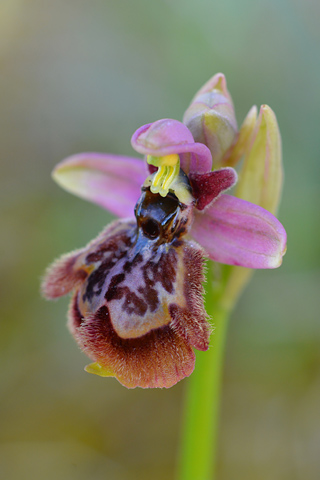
{"type": "Point", "coordinates": [166, 137]}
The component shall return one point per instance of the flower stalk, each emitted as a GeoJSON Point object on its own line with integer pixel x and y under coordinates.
{"type": "Point", "coordinates": [198, 454]}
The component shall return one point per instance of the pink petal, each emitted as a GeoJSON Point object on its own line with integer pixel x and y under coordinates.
{"type": "Point", "coordinates": [111, 181]}
{"type": "Point", "coordinates": [167, 136]}
{"type": "Point", "coordinates": [237, 232]}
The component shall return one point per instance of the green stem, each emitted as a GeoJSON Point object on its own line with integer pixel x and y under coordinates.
{"type": "Point", "coordinates": [201, 416]}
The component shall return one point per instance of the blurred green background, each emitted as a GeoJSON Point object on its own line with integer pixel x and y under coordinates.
{"type": "Point", "coordinates": [79, 76]}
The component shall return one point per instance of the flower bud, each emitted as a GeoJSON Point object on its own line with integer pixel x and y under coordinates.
{"type": "Point", "coordinates": [211, 118]}
{"type": "Point", "coordinates": [241, 146]}
{"type": "Point", "coordinates": [260, 182]}
{"type": "Point", "coordinates": [261, 177]}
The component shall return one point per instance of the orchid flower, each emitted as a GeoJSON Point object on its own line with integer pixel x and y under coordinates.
{"type": "Point", "coordinates": [137, 308]}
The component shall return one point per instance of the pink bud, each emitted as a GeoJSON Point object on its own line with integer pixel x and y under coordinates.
{"type": "Point", "coordinates": [211, 118]}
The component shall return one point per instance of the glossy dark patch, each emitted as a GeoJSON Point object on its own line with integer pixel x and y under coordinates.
{"type": "Point", "coordinates": [156, 216]}
{"type": "Point", "coordinates": [150, 228]}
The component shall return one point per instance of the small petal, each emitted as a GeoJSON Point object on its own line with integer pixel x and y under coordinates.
{"type": "Point", "coordinates": [166, 137]}
{"type": "Point", "coordinates": [207, 187]}
{"type": "Point", "coordinates": [261, 177]}
{"type": "Point", "coordinates": [237, 232]}
{"type": "Point", "coordinates": [112, 181]}
{"type": "Point", "coordinates": [211, 118]}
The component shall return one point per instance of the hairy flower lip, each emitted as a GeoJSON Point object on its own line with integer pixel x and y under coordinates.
{"type": "Point", "coordinates": [166, 137]}
{"type": "Point", "coordinates": [142, 371]}
{"type": "Point", "coordinates": [134, 311]}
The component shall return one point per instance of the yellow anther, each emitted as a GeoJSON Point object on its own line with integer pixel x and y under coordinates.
{"type": "Point", "coordinates": [161, 173]}
{"type": "Point", "coordinates": [167, 160]}
{"type": "Point", "coordinates": [168, 170]}
{"type": "Point", "coordinates": [171, 174]}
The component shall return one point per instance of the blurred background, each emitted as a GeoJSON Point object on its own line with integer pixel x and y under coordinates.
{"type": "Point", "coordinates": [83, 76]}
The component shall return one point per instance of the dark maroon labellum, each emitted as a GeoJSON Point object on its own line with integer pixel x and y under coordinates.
{"type": "Point", "coordinates": [137, 308]}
